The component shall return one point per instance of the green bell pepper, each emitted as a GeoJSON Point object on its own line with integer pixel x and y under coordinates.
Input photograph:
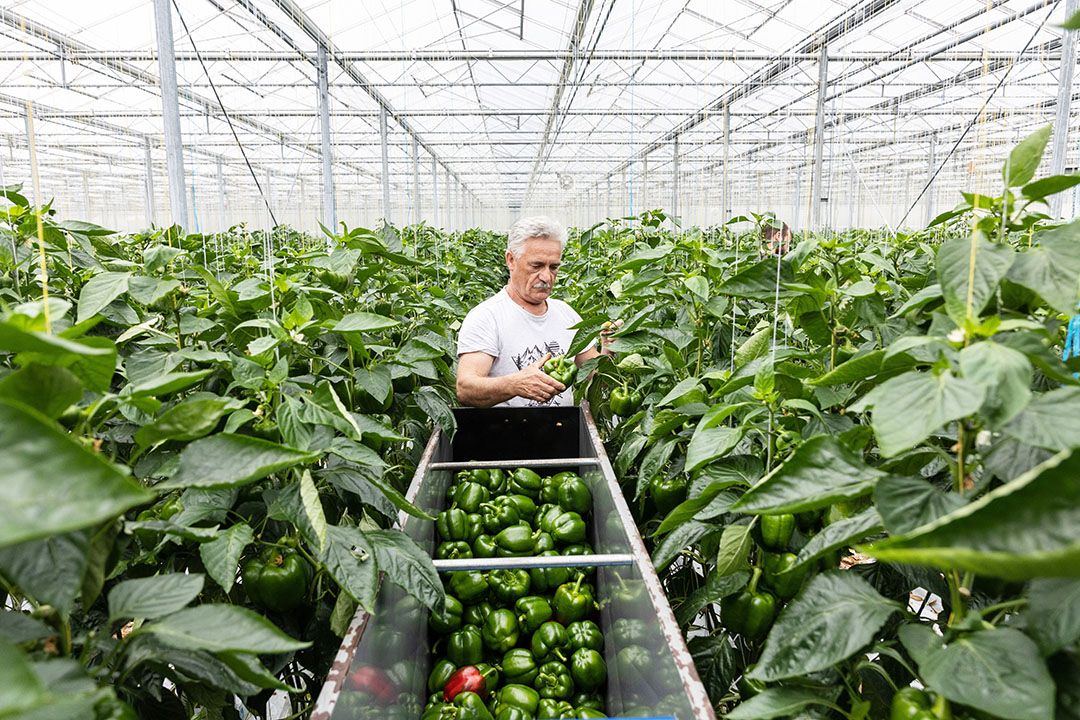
{"type": "Point", "coordinates": [587, 700]}
{"type": "Point", "coordinates": [484, 547]}
{"type": "Point", "coordinates": [439, 675]}
{"type": "Point", "coordinates": [546, 515]}
{"type": "Point", "coordinates": [524, 481]}
{"type": "Point", "coordinates": [750, 612]}
{"type": "Point", "coordinates": [509, 585]}
{"type": "Point", "coordinates": [448, 619]}
{"type": "Point", "coordinates": [550, 642]}
{"type": "Point", "coordinates": [497, 482]}
{"type": "Point", "coordinates": [551, 709]}
{"type": "Point", "coordinates": [472, 707]}
{"type": "Point", "coordinates": [469, 586]}
{"type": "Point", "coordinates": [667, 493]}
{"type": "Point", "coordinates": [585, 713]}
{"type": "Point", "coordinates": [465, 646]}
{"type": "Point", "coordinates": [476, 614]}
{"type": "Point", "coordinates": [624, 401]}
{"type": "Point", "coordinates": [492, 674]}
{"type": "Point", "coordinates": [911, 703]}
{"type": "Point", "coordinates": [572, 602]}
{"type": "Point", "coordinates": [469, 496]}
{"type": "Point", "coordinates": [562, 369]}
{"type": "Point", "coordinates": [588, 669]}
{"type": "Point", "coordinates": [496, 515]}
{"type": "Point", "coordinates": [452, 524]}
{"type": "Point", "coordinates": [775, 531]}
{"type": "Point", "coordinates": [585, 634]}
{"type": "Point", "coordinates": [518, 696]}
{"type": "Point", "coordinates": [277, 578]}
{"type": "Point", "coordinates": [453, 550]}
{"type": "Point", "coordinates": [549, 487]}
{"type": "Point", "coordinates": [629, 631]}
{"type": "Point", "coordinates": [547, 579]}
{"type": "Point", "coordinates": [779, 576]}
{"type": "Point", "coordinates": [554, 681]}
{"type": "Point", "coordinates": [516, 540]}
{"type": "Point", "coordinates": [500, 631]}
{"type": "Point", "coordinates": [533, 611]}
{"type": "Point", "coordinates": [474, 526]}
{"type": "Point", "coordinates": [507, 712]}
{"type": "Point", "coordinates": [519, 666]}
{"type": "Point", "coordinates": [525, 506]}
{"type": "Point", "coordinates": [568, 528]}
{"type": "Point", "coordinates": [575, 495]}
{"type": "Point", "coordinates": [544, 541]}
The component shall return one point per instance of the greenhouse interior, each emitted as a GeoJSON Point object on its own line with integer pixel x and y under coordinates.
{"type": "Point", "coordinates": [529, 359]}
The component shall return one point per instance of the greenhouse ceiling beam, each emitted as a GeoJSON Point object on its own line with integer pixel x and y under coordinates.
{"type": "Point", "coordinates": [378, 56]}
{"type": "Point", "coordinates": [1061, 123]}
{"type": "Point", "coordinates": [208, 107]}
{"type": "Point", "coordinates": [851, 20]}
{"type": "Point", "coordinates": [313, 31]}
{"type": "Point", "coordinates": [170, 111]}
{"type": "Point", "coordinates": [576, 35]}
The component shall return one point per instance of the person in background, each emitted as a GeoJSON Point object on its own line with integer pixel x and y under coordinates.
{"type": "Point", "coordinates": [776, 241]}
{"type": "Point", "coordinates": [505, 340]}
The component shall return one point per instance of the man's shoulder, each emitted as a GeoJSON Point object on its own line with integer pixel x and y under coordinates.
{"type": "Point", "coordinates": [488, 306]}
{"type": "Point", "coordinates": [561, 307]}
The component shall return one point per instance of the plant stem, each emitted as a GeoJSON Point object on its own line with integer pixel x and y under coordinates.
{"type": "Point", "coordinates": [957, 610]}
{"type": "Point", "coordinates": [960, 440]}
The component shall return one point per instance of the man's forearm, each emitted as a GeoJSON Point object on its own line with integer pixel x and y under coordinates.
{"type": "Point", "coordinates": [484, 391]}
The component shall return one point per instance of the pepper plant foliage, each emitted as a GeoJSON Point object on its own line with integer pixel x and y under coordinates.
{"type": "Point", "coordinates": [181, 407]}
{"type": "Point", "coordinates": [881, 487]}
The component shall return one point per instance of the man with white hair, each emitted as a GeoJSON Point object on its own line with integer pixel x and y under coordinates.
{"type": "Point", "coordinates": [505, 340]}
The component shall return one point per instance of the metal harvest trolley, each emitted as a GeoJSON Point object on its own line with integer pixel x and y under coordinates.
{"type": "Point", "coordinates": [395, 639]}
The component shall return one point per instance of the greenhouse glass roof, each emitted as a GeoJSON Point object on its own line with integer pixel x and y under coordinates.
{"type": "Point", "coordinates": [583, 109]}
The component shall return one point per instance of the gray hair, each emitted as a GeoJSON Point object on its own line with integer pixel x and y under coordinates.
{"type": "Point", "coordinates": [527, 228]}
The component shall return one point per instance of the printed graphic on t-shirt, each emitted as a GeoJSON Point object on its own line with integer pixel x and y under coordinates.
{"type": "Point", "coordinates": [533, 354]}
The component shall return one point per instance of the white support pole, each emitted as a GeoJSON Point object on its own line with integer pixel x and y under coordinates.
{"type": "Point", "coordinates": [1061, 124]}
{"type": "Point", "coordinates": [674, 180]}
{"type": "Point", "coordinates": [819, 139]}
{"type": "Point", "coordinates": [86, 194]}
{"type": "Point", "coordinates": [170, 109]}
{"type": "Point", "coordinates": [930, 167]}
{"type": "Point", "coordinates": [795, 214]}
{"type": "Point", "coordinates": [221, 196]}
{"type": "Point", "coordinates": [434, 192]}
{"type": "Point", "coordinates": [385, 166]}
{"type": "Point", "coordinates": [416, 180]}
{"type": "Point", "coordinates": [725, 185]}
{"type": "Point", "coordinates": [644, 200]}
{"type": "Point", "coordinates": [269, 201]}
{"type": "Point", "coordinates": [329, 207]}
{"type": "Point", "coordinates": [852, 187]}
{"type": "Point", "coordinates": [149, 186]}
{"type": "Point", "coordinates": [608, 210]}
{"type": "Point", "coordinates": [449, 200]}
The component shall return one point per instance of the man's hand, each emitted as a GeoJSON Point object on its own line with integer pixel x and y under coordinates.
{"type": "Point", "coordinates": [606, 331]}
{"type": "Point", "coordinates": [533, 383]}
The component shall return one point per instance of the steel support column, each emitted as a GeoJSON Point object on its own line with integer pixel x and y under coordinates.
{"type": "Point", "coordinates": [819, 138]}
{"type": "Point", "coordinates": [434, 192]}
{"type": "Point", "coordinates": [170, 109]}
{"type": "Point", "coordinates": [385, 166]}
{"type": "Point", "coordinates": [416, 181]}
{"type": "Point", "coordinates": [674, 180]}
{"type": "Point", "coordinates": [221, 196]}
{"type": "Point", "coordinates": [930, 168]}
{"type": "Point", "coordinates": [329, 208]}
{"type": "Point", "coordinates": [1061, 124]}
{"type": "Point", "coordinates": [149, 185]}
{"type": "Point", "coordinates": [725, 185]}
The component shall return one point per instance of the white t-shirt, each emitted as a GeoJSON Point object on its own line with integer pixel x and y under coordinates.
{"type": "Point", "coordinates": [516, 338]}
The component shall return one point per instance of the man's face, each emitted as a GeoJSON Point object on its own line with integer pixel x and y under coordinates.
{"type": "Point", "coordinates": [532, 274]}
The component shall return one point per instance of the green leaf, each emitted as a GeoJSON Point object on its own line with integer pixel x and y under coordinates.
{"type": "Point", "coordinates": [717, 662]}
{"type": "Point", "coordinates": [49, 390]}
{"type": "Point", "coordinates": [857, 368]}
{"type": "Point", "coordinates": [675, 541]}
{"type": "Point", "coordinates": [20, 687]}
{"type": "Point", "coordinates": [1050, 421]}
{"type": "Point", "coordinates": [350, 560]}
{"type": "Point", "coordinates": [840, 534]}
{"type": "Point", "coordinates": [407, 565]}
{"type": "Point", "coordinates": [1048, 186]}
{"type": "Point", "coordinates": [687, 509]}
{"type": "Point", "coordinates": [820, 472]}
{"type": "Point", "coordinates": [18, 628]}
{"type": "Point", "coordinates": [758, 282]}
{"type": "Point", "coordinates": [1013, 682]}
{"type": "Point", "coordinates": [49, 570]}
{"type": "Point", "coordinates": [835, 616]}
{"type": "Point", "coordinates": [778, 702]}
{"type": "Point", "coordinates": [153, 597]}
{"type": "Point", "coordinates": [1053, 613]}
{"type": "Point", "coordinates": [165, 384]}
{"type": "Point", "coordinates": [911, 407]}
{"type": "Point", "coordinates": [646, 256]}
{"type": "Point", "coordinates": [361, 482]}
{"type": "Point", "coordinates": [653, 463]}
{"type": "Point", "coordinates": [189, 420]}
{"type": "Point", "coordinates": [717, 587]}
{"type": "Point", "coordinates": [906, 503]}
{"type": "Point", "coordinates": [923, 297]}
{"type": "Point", "coordinates": [680, 391]}
{"type": "Point", "coordinates": [964, 283]}
{"type": "Point", "coordinates": [227, 460]}
{"type": "Point", "coordinates": [754, 347]}
{"type": "Point", "coordinates": [222, 628]}
{"type": "Point", "coordinates": [735, 543]}
{"type": "Point", "coordinates": [1051, 268]}
{"type": "Point", "coordinates": [1025, 158]}
{"type": "Point", "coordinates": [221, 557]}
{"type": "Point", "coordinates": [1073, 23]}
{"type": "Point", "coordinates": [52, 483]}
{"type": "Point", "coordinates": [363, 322]}
{"type": "Point", "coordinates": [313, 509]}
{"type": "Point", "coordinates": [433, 405]}
{"type": "Point", "coordinates": [697, 285]}
{"type": "Point", "coordinates": [1027, 528]}
{"type": "Point", "coordinates": [708, 444]}
{"type": "Point", "coordinates": [1005, 376]}
{"type": "Point", "coordinates": [99, 291]}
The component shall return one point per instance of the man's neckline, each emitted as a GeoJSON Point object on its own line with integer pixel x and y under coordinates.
{"type": "Point", "coordinates": [523, 306]}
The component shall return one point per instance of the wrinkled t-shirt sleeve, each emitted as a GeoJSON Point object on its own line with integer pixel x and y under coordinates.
{"type": "Point", "coordinates": [478, 334]}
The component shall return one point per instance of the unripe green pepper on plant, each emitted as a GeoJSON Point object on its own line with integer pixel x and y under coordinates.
{"type": "Point", "coordinates": [779, 575]}
{"type": "Point", "coordinates": [667, 493]}
{"type": "Point", "coordinates": [277, 578]}
{"type": "Point", "coordinates": [775, 531]}
{"type": "Point", "coordinates": [910, 703]}
{"type": "Point", "coordinates": [749, 612]}
{"type": "Point", "coordinates": [624, 401]}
